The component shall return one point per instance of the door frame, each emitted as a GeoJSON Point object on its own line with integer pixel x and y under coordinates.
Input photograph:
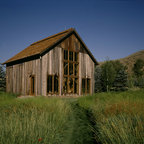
{"type": "Point", "coordinates": [32, 85]}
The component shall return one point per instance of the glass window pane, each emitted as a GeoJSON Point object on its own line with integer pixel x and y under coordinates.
{"type": "Point", "coordinates": [65, 68]}
{"type": "Point", "coordinates": [70, 68]}
{"type": "Point", "coordinates": [76, 56]}
{"type": "Point", "coordinates": [71, 56]}
{"type": "Point", "coordinates": [83, 86]}
{"type": "Point", "coordinates": [49, 84]}
{"type": "Point", "coordinates": [71, 83]}
{"type": "Point", "coordinates": [88, 85]}
{"type": "Point", "coordinates": [76, 69]}
{"type": "Point", "coordinates": [76, 85]}
{"type": "Point", "coordinates": [65, 55]}
{"type": "Point", "coordinates": [55, 84]}
{"type": "Point", "coordinates": [65, 85]}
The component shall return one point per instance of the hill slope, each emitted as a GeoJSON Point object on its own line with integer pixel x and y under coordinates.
{"type": "Point", "coordinates": [131, 59]}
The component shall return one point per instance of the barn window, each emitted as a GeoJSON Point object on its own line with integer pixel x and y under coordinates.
{"type": "Point", "coordinates": [70, 55]}
{"type": "Point", "coordinates": [85, 86]}
{"type": "Point", "coordinates": [65, 68]}
{"type": "Point", "coordinates": [71, 66]}
{"type": "Point", "coordinates": [76, 69]}
{"type": "Point", "coordinates": [76, 56]}
{"type": "Point", "coordinates": [49, 84]}
{"type": "Point", "coordinates": [52, 84]}
{"type": "Point", "coordinates": [88, 86]}
{"type": "Point", "coordinates": [55, 84]}
{"type": "Point", "coordinates": [65, 54]}
{"type": "Point", "coordinates": [65, 85]}
{"type": "Point", "coordinates": [76, 85]}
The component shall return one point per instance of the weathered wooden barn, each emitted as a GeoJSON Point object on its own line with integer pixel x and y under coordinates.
{"type": "Point", "coordinates": [58, 65]}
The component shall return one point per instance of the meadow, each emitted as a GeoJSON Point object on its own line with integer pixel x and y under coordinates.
{"type": "Point", "coordinates": [109, 118]}
{"type": "Point", "coordinates": [118, 117]}
{"type": "Point", "coordinates": [33, 120]}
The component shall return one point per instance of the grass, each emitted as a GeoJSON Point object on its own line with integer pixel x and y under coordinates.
{"type": "Point", "coordinates": [107, 118]}
{"type": "Point", "coordinates": [118, 117]}
{"type": "Point", "coordinates": [33, 120]}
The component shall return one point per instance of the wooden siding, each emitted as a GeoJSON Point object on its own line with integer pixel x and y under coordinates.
{"type": "Point", "coordinates": [51, 63]}
{"type": "Point", "coordinates": [86, 65]}
{"type": "Point", "coordinates": [86, 70]}
{"type": "Point", "coordinates": [73, 44]}
{"type": "Point", "coordinates": [18, 75]}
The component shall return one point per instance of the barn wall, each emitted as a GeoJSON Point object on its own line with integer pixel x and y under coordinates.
{"type": "Point", "coordinates": [18, 77]}
{"type": "Point", "coordinates": [51, 65]}
{"type": "Point", "coordinates": [86, 69]}
{"type": "Point", "coordinates": [86, 65]}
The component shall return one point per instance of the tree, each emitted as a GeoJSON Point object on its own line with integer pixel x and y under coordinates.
{"type": "Point", "coordinates": [120, 83]}
{"type": "Point", "coordinates": [138, 68]}
{"type": "Point", "coordinates": [2, 78]}
{"type": "Point", "coordinates": [111, 75]}
{"type": "Point", "coordinates": [98, 79]}
{"type": "Point", "coordinates": [108, 75]}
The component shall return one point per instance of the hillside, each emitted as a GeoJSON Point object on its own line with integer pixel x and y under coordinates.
{"type": "Point", "coordinates": [131, 59]}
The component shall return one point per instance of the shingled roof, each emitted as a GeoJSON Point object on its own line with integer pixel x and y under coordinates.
{"type": "Point", "coordinates": [41, 46]}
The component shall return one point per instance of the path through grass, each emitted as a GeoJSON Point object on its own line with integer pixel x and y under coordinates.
{"type": "Point", "coordinates": [118, 117]}
{"type": "Point", "coordinates": [102, 118]}
{"type": "Point", "coordinates": [81, 131]}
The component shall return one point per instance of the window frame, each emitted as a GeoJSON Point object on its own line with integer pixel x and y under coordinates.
{"type": "Point", "coordinates": [86, 85]}
{"type": "Point", "coordinates": [72, 76]}
{"type": "Point", "coordinates": [53, 84]}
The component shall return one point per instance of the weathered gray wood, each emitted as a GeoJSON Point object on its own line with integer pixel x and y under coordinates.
{"type": "Point", "coordinates": [60, 71]}
{"type": "Point", "coordinates": [44, 75]}
{"type": "Point", "coordinates": [18, 75]}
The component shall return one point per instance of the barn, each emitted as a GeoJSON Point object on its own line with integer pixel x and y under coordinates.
{"type": "Point", "coordinates": [60, 64]}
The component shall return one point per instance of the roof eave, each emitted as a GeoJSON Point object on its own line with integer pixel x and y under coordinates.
{"type": "Point", "coordinates": [55, 44]}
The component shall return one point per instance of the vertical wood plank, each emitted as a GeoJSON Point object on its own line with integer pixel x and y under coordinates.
{"type": "Point", "coordinates": [60, 71]}
{"type": "Point", "coordinates": [44, 75]}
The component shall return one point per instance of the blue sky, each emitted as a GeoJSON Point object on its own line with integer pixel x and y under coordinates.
{"type": "Point", "coordinates": [110, 28]}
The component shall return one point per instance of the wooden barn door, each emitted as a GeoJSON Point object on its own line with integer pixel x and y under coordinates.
{"type": "Point", "coordinates": [32, 85]}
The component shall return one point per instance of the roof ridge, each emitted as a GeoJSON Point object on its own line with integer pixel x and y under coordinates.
{"type": "Point", "coordinates": [52, 36]}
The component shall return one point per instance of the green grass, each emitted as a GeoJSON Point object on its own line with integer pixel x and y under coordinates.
{"type": "Point", "coordinates": [111, 118]}
{"type": "Point", "coordinates": [118, 117]}
{"type": "Point", "coordinates": [25, 121]}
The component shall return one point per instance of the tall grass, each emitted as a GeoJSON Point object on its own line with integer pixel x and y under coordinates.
{"type": "Point", "coordinates": [118, 117]}
{"type": "Point", "coordinates": [33, 120]}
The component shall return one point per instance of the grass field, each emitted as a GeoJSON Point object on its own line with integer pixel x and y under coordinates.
{"type": "Point", "coordinates": [33, 120]}
{"type": "Point", "coordinates": [118, 117]}
{"type": "Point", "coordinates": [112, 118]}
